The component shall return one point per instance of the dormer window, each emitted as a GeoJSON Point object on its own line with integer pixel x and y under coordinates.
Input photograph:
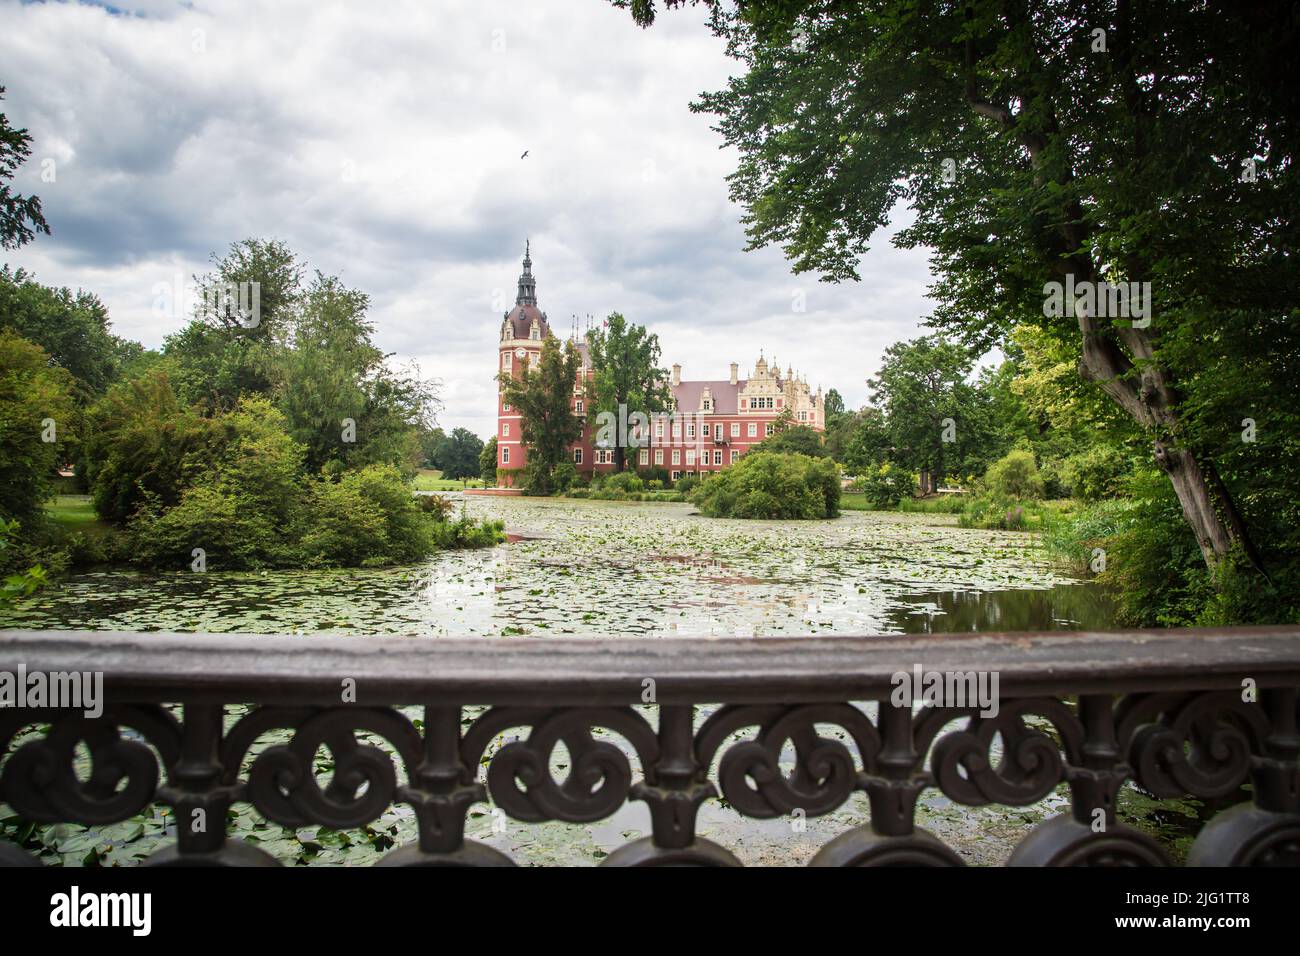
{"type": "Point", "coordinates": [535, 333]}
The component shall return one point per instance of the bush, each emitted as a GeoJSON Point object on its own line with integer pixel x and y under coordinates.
{"type": "Point", "coordinates": [33, 394]}
{"type": "Point", "coordinates": [654, 484]}
{"type": "Point", "coordinates": [466, 533]}
{"type": "Point", "coordinates": [687, 484]}
{"type": "Point", "coordinates": [625, 481]}
{"type": "Point", "coordinates": [1015, 477]}
{"type": "Point", "coordinates": [563, 477]}
{"type": "Point", "coordinates": [1095, 474]}
{"type": "Point", "coordinates": [887, 485]}
{"type": "Point", "coordinates": [143, 446]}
{"type": "Point", "coordinates": [657, 473]}
{"type": "Point", "coordinates": [773, 486]}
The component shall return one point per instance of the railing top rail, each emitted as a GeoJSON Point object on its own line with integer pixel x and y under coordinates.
{"type": "Point", "coordinates": [161, 666]}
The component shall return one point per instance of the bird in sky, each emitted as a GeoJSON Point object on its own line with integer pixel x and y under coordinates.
{"type": "Point", "coordinates": [525, 154]}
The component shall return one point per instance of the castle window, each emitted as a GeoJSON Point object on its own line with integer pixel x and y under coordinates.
{"type": "Point", "coordinates": [535, 333]}
{"type": "Point", "coordinates": [505, 361]}
{"type": "Point", "coordinates": [690, 431]}
{"type": "Point", "coordinates": [645, 457]}
{"type": "Point", "coordinates": [659, 456]}
{"type": "Point", "coordinates": [677, 475]}
{"type": "Point", "coordinates": [767, 430]}
{"type": "Point", "coordinates": [505, 454]}
{"type": "Point", "coordinates": [705, 430]}
{"type": "Point", "coordinates": [690, 456]}
{"type": "Point", "coordinates": [753, 429]}
{"type": "Point", "coordinates": [735, 455]}
{"type": "Point", "coordinates": [735, 429]}
{"type": "Point", "coordinates": [677, 457]}
{"type": "Point", "coordinates": [505, 406]}
{"type": "Point", "coordinates": [717, 457]}
{"type": "Point", "coordinates": [577, 456]}
{"type": "Point", "coordinates": [505, 429]}
{"type": "Point", "coordinates": [577, 406]}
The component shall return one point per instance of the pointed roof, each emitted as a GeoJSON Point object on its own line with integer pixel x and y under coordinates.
{"type": "Point", "coordinates": [527, 294]}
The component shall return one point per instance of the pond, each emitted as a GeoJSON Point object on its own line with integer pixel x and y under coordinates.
{"type": "Point", "coordinates": [589, 568]}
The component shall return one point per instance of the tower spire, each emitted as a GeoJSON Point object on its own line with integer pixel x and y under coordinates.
{"type": "Point", "coordinates": [527, 294]}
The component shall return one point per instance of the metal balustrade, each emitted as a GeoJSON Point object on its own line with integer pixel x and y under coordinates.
{"type": "Point", "coordinates": [1180, 712]}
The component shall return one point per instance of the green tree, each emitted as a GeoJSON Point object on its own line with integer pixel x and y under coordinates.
{"type": "Point", "coordinates": [544, 397]}
{"type": "Point", "coordinates": [938, 422]}
{"type": "Point", "coordinates": [1034, 160]}
{"type": "Point", "coordinates": [833, 406]}
{"type": "Point", "coordinates": [143, 445]}
{"type": "Point", "coordinates": [487, 461]}
{"type": "Point", "coordinates": [222, 354]}
{"type": "Point", "coordinates": [20, 216]}
{"type": "Point", "coordinates": [869, 445]}
{"type": "Point", "coordinates": [72, 328]}
{"type": "Point", "coordinates": [797, 439]}
{"type": "Point", "coordinates": [430, 440]}
{"type": "Point", "coordinates": [342, 401]}
{"type": "Point", "coordinates": [38, 421]}
{"type": "Point", "coordinates": [458, 456]}
{"type": "Point", "coordinates": [626, 375]}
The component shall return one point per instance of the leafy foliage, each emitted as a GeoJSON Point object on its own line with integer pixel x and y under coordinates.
{"type": "Point", "coordinates": [36, 403]}
{"type": "Point", "coordinates": [770, 485]}
{"type": "Point", "coordinates": [544, 396]}
{"type": "Point", "coordinates": [20, 216]}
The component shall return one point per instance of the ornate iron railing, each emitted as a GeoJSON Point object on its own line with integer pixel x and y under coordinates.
{"type": "Point", "coordinates": [1192, 712]}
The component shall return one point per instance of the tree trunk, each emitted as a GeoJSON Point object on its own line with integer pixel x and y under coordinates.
{"type": "Point", "coordinates": [1214, 535]}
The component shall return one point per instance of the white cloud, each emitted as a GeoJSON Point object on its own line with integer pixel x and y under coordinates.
{"type": "Point", "coordinates": [383, 143]}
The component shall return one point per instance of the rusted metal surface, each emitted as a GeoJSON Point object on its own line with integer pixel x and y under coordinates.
{"type": "Point", "coordinates": [672, 723]}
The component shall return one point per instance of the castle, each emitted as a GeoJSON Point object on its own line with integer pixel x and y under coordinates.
{"type": "Point", "coordinates": [712, 423]}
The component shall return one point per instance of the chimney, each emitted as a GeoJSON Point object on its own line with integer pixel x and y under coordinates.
{"type": "Point", "coordinates": [677, 375]}
{"type": "Point", "coordinates": [734, 370]}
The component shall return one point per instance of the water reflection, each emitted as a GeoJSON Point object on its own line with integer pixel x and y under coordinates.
{"type": "Point", "coordinates": [1078, 607]}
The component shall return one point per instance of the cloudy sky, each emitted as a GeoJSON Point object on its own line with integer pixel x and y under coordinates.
{"type": "Point", "coordinates": [382, 142]}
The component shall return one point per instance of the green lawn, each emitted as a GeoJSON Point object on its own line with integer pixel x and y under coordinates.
{"type": "Point", "coordinates": [74, 514]}
{"type": "Point", "coordinates": [430, 479]}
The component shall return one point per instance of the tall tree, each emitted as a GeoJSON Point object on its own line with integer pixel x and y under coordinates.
{"type": "Point", "coordinates": [938, 421]}
{"type": "Point", "coordinates": [20, 216]}
{"type": "Point", "coordinates": [834, 406]}
{"type": "Point", "coordinates": [626, 375]}
{"type": "Point", "coordinates": [458, 456]}
{"type": "Point", "coordinates": [544, 396]}
{"type": "Point", "coordinates": [224, 354]}
{"type": "Point", "coordinates": [1064, 143]}
{"type": "Point", "coordinates": [71, 327]}
{"type": "Point", "coordinates": [487, 461]}
{"type": "Point", "coordinates": [340, 399]}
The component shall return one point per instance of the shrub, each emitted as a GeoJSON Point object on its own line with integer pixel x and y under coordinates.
{"type": "Point", "coordinates": [438, 506]}
{"type": "Point", "coordinates": [624, 481]}
{"type": "Point", "coordinates": [466, 533]}
{"type": "Point", "coordinates": [563, 477]}
{"type": "Point", "coordinates": [1095, 474]}
{"type": "Point", "coordinates": [886, 485]}
{"type": "Point", "coordinates": [1014, 476]}
{"type": "Point", "coordinates": [142, 445]}
{"type": "Point", "coordinates": [771, 485]}
{"type": "Point", "coordinates": [32, 391]}
{"type": "Point", "coordinates": [657, 473]}
{"type": "Point", "coordinates": [687, 484]}
{"type": "Point", "coordinates": [654, 484]}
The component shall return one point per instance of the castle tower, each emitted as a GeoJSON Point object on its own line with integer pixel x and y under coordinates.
{"type": "Point", "coordinates": [523, 329]}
